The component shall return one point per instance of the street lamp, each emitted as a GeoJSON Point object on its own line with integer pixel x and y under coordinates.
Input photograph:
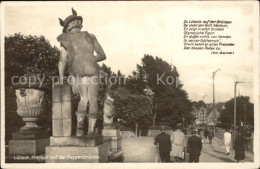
{"type": "Point", "coordinates": [204, 97]}
{"type": "Point", "coordinates": [214, 112]}
{"type": "Point", "coordinates": [204, 111]}
{"type": "Point", "coordinates": [235, 107]}
{"type": "Point", "coordinates": [243, 118]}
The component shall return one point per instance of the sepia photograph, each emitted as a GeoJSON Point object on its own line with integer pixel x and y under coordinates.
{"type": "Point", "coordinates": [130, 84]}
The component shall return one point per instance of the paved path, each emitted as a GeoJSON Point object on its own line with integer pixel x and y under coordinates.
{"type": "Point", "coordinates": [215, 151]}
{"type": "Point", "coordinates": [141, 149]}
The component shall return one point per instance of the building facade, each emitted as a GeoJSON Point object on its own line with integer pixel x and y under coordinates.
{"type": "Point", "coordinates": [199, 110]}
{"type": "Point", "coordinates": [204, 113]}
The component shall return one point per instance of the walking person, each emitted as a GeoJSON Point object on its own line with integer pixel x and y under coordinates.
{"type": "Point", "coordinates": [210, 135]}
{"type": "Point", "coordinates": [227, 140]}
{"type": "Point", "coordinates": [239, 146]}
{"type": "Point", "coordinates": [165, 145]}
{"type": "Point", "coordinates": [194, 147]}
{"type": "Point", "coordinates": [178, 143]}
{"type": "Point", "coordinates": [248, 138]}
{"type": "Point", "coordinates": [201, 134]}
{"type": "Point", "coordinates": [206, 132]}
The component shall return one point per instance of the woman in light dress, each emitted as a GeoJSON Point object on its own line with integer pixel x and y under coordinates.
{"type": "Point", "coordinates": [227, 140]}
{"type": "Point", "coordinates": [178, 144]}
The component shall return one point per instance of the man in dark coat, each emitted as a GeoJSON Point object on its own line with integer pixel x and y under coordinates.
{"type": "Point", "coordinates": [239, 146]}
{"type": "Point", "coordinates": [165, 145]}
{"type": "Point", "coordinates": [194, 147]}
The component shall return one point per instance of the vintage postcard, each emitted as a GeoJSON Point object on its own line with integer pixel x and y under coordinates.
{"type": "Point", "coordinates": [130, 84]}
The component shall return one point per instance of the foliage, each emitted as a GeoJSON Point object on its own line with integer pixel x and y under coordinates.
{"type": "Point", "coordinates": [108, 81]}
{"type": "Point", "coordinates": [132, 108]}
{"type": "Point", "coordinates": [170, 100]}
{"type": "Point", "coordinates": [158, 127]}
{"type": "Point", "coordinates": [244, 111]}
{"type": "Point", "coordinates": [25, 55]}
{"type": "Point", "coordinates": [30, 54]}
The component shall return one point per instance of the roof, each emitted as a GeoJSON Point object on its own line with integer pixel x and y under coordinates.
{"type": "Point", "coordinates": [210, 117]}
{"type": "Point", "coordinates": [198, 105]}
{"type": "Point", "coordinates": [218, 105]}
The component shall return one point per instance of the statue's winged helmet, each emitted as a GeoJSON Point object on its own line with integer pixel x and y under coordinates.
{"type": "Point", "coordinates": [69, 19]}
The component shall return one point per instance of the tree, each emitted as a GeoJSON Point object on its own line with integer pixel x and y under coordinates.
{"type": "Point", "coordinates": [132, 109]}
{"type": "Point", "coordinates": [170, 100]}
{"type": "Point", "coordinates": [244, 111]}
{"type": "Point", "coordinates": [108, 79]}
{"type": "Point", "coordinates": [105, 74]}
{"type": "Point", "coordinates": [30, 54]}
{"type": "Point", "coordinates": [26, 55]}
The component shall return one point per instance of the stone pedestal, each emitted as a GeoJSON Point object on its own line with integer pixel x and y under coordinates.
{"type": "Point", "coordinates": [115, 151]}
{"type": "Point", "coordinates": [77, 149]}
{"type": "Point", "coordinates": [62, 110]}
{"type": "Point", "coordinates": [31, 141]}
{"type": "Point", "coordinates": [87, 141]}
{"type": "Point", "coordinates": [28, 147]}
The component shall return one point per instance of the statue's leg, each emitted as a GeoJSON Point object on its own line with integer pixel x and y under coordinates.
{"type": "Point", "coordinates": [82, 108]}
{"type": "Point", "coordinates": [93, 106]}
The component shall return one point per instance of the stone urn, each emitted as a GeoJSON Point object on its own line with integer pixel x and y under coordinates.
{"type": "Point", "coordinates": [29, 106]}
{"type": "Point", "coordinates": [30, 100]}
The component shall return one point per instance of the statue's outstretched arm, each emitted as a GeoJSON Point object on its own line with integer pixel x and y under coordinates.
{"type": "Point", "coordinates": [99, 50]}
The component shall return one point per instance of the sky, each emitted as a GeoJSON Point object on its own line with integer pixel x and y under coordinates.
{"type": "Point", "coordinates": [128, 30]}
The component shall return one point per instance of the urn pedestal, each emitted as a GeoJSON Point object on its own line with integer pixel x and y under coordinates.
{"type": "Point", "coordinates": [115, 152]}
{"type": "Point", "coordinates": [30, 139]}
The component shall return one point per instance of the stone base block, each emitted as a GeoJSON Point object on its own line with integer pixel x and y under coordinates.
{"type": "Point", "coordinates": [88, 141]}
{"type": "Point", "coordinates": [115, 143]}
{"type": "Point", "coordinates": [111, 132]}
{"type": "Point", "coordinates": [116, 149]}
{"type": "Point", "coordinates": [28, 147]}
{"type": "Point", "coordinates": [77, 154]}
{"type": "Point", "coordinates": [110, 127]}
{"type": "Point", "coordinates": [61, 93]}
{"type": "Point", "coordinates": [62, 127]}
{"type": "Point", "coordinates": [115, 155]}
{"type": "Point", "coordinates": [30, 135]}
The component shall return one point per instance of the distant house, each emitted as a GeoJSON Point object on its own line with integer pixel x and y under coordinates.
{"type": "Point", "coordinates": [213, 115]}
{"type": "Point", "coordinates": [204, 112]}
{"type": "Point", "coordinates": [199, 110]}
{"type": "Point", "coordinates": [211, 118]}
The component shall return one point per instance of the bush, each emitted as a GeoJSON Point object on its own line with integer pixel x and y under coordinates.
{"type": "Point", "coordinates": [157, 127]}
{"type": "Point", "coordinates": [126, 129]}
{"type": "Point", "coordinates": [28, 55]}
{"type": "Point", "coordinates": [133, 109]}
